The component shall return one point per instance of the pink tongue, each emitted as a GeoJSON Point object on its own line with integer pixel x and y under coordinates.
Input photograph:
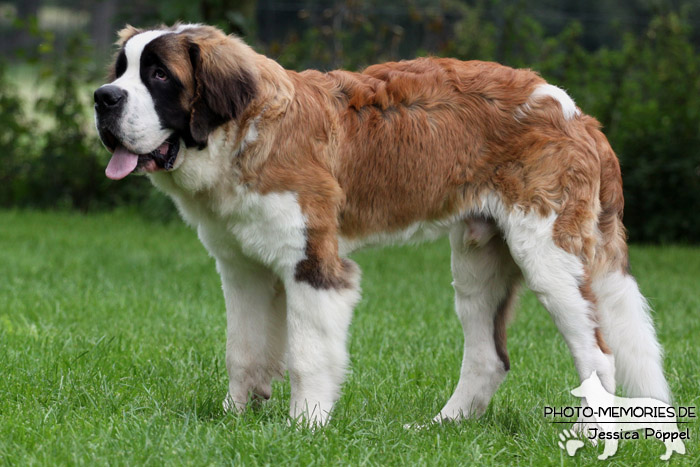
{"type": "Point", "coordinates": [121, 164]}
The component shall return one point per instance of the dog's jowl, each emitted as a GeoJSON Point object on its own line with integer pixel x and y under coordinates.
{"type": "Point", "coordinates": [283, 174]}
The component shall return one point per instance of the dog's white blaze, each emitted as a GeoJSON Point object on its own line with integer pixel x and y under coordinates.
{"type": "Point", "coordinates": [568, 106]}
{"type": "Point", "coordinates": [140, 128]}
{"type": "Point", "coordinates": [135, 45]}
{"type": "Point", "coordinates": [185, 27]}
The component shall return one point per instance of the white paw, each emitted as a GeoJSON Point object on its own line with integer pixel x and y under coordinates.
{"type": "Point", "coordinates": [443, 418]}
{"type": "Point", "coordinates": [314, 418]}
{"type": "Point", "coordinates": [232, 406]}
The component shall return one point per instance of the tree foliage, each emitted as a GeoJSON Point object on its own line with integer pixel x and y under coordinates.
{"type": "Point", "coordinates": [644, 87]}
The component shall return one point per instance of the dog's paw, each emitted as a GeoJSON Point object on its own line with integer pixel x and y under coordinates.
{"type": "Point", "coordinates": [569, 442]}
{"type": "Point", "coordinates": [232, 406]}
{"type": "Point", "coordinates": [314, 418]}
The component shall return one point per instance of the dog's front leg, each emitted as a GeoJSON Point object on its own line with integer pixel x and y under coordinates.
{"type": "Point", "coordinates": [319, 311]}
{"type": "Point", "coordinates": [255, 330]}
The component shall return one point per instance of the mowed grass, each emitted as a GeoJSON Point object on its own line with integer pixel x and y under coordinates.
{"type": "Point", "coordinates": [112, 333]}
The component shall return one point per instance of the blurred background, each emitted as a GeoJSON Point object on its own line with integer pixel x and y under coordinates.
{"type": "Point", "coordinates": [633, 64]}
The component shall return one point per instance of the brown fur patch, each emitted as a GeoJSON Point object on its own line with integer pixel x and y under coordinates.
{"type": "Point", "coordinates": [422, 140]}
{"type": "Point", "coordinates": [500, 320]}
{"type": "Point", "coordinates": [602, 345]}
{"type": "Point", "coordinates": [223, 87]}
{"type": "Point", "coordinates": [587, 292]}
{"type": "Point", "coordinates": [406, 142]}
{"type": "Point", "coordinates": [394, 115]}
{"type": "Point", "coordinates": [320, 276]}
{"type": "Point", "coordinates": [588, 295]}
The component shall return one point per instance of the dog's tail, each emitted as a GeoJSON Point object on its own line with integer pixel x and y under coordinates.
{"type": "Point", "coordinates": [624, 313]}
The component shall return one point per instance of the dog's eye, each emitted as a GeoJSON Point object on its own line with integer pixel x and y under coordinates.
{"type": "Point", "coordinates": [160, 75]}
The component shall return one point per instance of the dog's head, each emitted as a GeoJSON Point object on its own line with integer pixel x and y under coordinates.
{"type": "Point", "coordinates": [169, 88]}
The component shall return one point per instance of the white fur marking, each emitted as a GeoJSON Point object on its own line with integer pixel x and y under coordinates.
{"type": "Point", "coordinates": [417, 232]}
{"type": "Point", "coordinates": [481, 283]}
{"type": "Point", "coordinates": [250, 137]}
{"type": "Point", "coordinates": [568, 106]}
{"type": "Point", "coordinates": [554, 275]}
{"type": "Point", "coordinates": [318, 322]}
{"type": "Point", "coordinates": [185, 27]}
{"type": "Point", "coordinates": [256, 326]}
{"type": "Point", "coordinates": [140, 130]}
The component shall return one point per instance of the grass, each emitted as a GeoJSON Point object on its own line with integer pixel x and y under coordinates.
{"type": "Point", "coordinates": [112, 352]}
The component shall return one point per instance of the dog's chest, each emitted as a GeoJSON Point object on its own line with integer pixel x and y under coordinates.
{"type": "Point", "coordinates": [269, 229]}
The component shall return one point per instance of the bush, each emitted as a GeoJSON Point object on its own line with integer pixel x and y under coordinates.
{"type": "Point", "coordinates": [17, 148]}
{"type": "Point", "coordinates": [646, 93]}
{"type": "Point", "coordinates": [655, 128]}
{"type": "Point", "coordinates": [55, 160]}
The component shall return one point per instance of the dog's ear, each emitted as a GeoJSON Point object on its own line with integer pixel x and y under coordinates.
{"type": "Point", "coordinates": [223, 88]}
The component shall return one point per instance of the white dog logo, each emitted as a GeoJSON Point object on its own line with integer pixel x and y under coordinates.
{"type": "Point", "coordinates": [617, 415]}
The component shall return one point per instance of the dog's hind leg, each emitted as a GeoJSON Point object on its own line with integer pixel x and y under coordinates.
{"type": "Point", "coordinates": [560, 281]}
{"type": "Point", "coordinates": [485, 283]}
{"type": "Point", "coordinates": [629, 330]}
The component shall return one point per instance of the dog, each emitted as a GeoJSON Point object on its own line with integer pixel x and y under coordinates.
{"type": "Point", "coordinates": [613, 425]}
{"type": "Point", "coordinates": [284, 173]}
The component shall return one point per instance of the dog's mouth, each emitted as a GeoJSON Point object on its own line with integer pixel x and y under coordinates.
{"type": "Point", "coordinates": [124, 162]}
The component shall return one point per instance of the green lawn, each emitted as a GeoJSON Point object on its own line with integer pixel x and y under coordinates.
{"type": "Point", "coordinates": [112, 352]}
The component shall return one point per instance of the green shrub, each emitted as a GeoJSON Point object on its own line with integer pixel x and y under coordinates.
{"type": "Point", "coordinates": [55, 159]}
{"type": "Point", "coordinates": [17, 148]}
{"type": "Point", "coordinates": [655, 128]}
{"type": "Point", "coordinates": [646, 93]}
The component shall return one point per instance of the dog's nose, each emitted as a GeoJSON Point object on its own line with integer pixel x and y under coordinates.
{"type": "Point", "coordinates": [108, 97]}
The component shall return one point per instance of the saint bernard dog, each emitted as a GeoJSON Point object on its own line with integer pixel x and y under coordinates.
{"type": "Point", "coordinates": [283, 174]}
